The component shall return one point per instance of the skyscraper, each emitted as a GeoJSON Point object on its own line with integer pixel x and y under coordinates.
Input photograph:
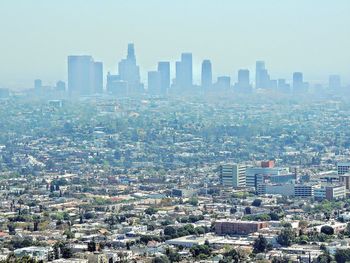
{"type": "Point", "coordinates": [60, 86]}
{"type": "Point", "coordinates": [130, 72]}
{"type": "Point", "coordinates": [116, 86]}
{"type": "Point", "coordinates": [98, 77]}
{"type": "Point", "coordinates": [283, 86]}
{"type": "Point", "coordinates": [223, 83]}
{"type": "Point", "coordinates": [85, 77]}
{"type": "Point", "coordinates": [262, 78]}
{"type": "Point", "coordinates": [207, 75]}
{"type": "Point", "coordinates": [299, 86]}
{"type": "Point", "coordinates": [164, 70]}
{"type": "Point", "coordinates": [154, 82]}
{"type": "Point", "coordinates": [334, 82]}
{"type": "Point", "coordinates": [184, 78]}
{"type": "Point", "coordinates": [243, 84]}
{"type": "Point", "coordinates": [38, 84]}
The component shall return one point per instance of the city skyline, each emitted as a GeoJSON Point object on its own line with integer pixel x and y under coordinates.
{"type": "Point", "coordinates": [240, 33]}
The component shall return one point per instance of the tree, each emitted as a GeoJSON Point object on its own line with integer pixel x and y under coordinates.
{"type": "Point", "coordinates": [92, 246]}
{"type": "Point", "coordinates": [347, 230]}
{"type": "Point", "coordinates": [274, 216]}
{"type": "Point", "coordinates": [193, 201]}
{"type": "Point", "coordinates": [233, 256]}
{"type": "Point", "coordinates": [233, 210]}
{"type": "Point", "coordinates": [324, 258]}
{"type": "Point", "coordinates": [170, 231]}
{"type": "Point", "coordinates": [12, 228]}
{"type": "Point", "coordinates": [328, 230]}
{"type": "Point", "coordinates": [150, 211]}
{"type": "Point", "coordinates": [260, 244]}
{"type": "Point", "coordinates": [342, 255]}
{"type": "Point", "coordinates": [200, 230]}
{"type": "Point", "coordinates": [198, 250]}
{"type": "Point", "coordinates": [62, 249]}
{"type": "Point", "coordinates": [172, 255]}
{"type": "Point", "coordinates": [161, 259]}
{"type": "Point", "coordinates": [286, 237]}
{"type": "Point", "coordinates": [257, 202]}
{"type": "Point", "coordinates": [303, 224]}
{"type": "Point", "coordinates": [280, 260]}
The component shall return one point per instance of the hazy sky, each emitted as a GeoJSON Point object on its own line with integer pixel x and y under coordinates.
{"type": "Point", "coordinates": [312, 36]}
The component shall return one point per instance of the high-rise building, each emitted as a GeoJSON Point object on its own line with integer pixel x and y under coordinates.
{"type": "Point", "coordinates": [334, 82]}
{"type": "Point", "coordinates": [38, 84]}
{"type": "Point", "coordinates": [154, 82]}
{"type": "Point", "coordinates": [233, 175]}
{"type": "Point", "coordinates": [116, 86]}
{"type": "Point", "coordinates": [223, 83]}
{"type": "Point", "coordinates": [283, 86]}
{"type": "Point", "coordinates": [4, 93]}
{"type": "Point", "coordinates": [262, 78]}
{"type": "Point", "coordinates": [130, 72]}
{"type": "Point", "coordinates": [60, 86]}
{"type": "Point", "coordinates": [207, 75]}
{"type": "Point", "coordinates": [85, 77]}
{"type": "Point", "coordinates": [299, 86]}
{"type": "Point", "coordinates": [164, 70]}
{"type": "Point", "coordinates": [38, 87]}
{"type": "Point", "coordinates": [243, 84]}
{"type": "Point", "coordinates": [184, 74]}
{"type": "Point", "coordinates": [98, 77]}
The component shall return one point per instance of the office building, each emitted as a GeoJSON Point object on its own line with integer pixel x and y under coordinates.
{"type": "Point", "coordinates": [154, 82]}
{"type": "Point", "coordinates": [223, 83]}
{"type": "Point", "coordinates": [98, 77]}
{"type": "Point", "coordinates": [4, 93]}
{"type": "Point", "coordinates": [129, 71]}
{"type": "Point", "coordinates": [283, 86]}
{"type": "Point", "coordinates": [116, 86]}
{"type": "Point", "coordinates": [254, 175]}
{"type": "Point", "coordinates": [275, 189]}
{"type": "Point", "coordinates": [334, 82]}
{"type": "Point", "coordinates": [85, 76]}
{"type": "Point", "coordinates": [343, 167]}
{"type": "Point", "coordinates": [243, 84]}
{"type": "Point", "coordinates": [184, 74]}
{"type": "Point", "coordinates": [207, 75]}
{"type": "Point", "coordinates": [330, 192]}
{"type": "Point", "coordinates": [299, 86]}
{"type": "Point", "coordinates": [344, 179]}
{"type": "Point", "coordinates": [236, 227]}
{"type": "Point", "coordinates": [233, 175]}
{"type": "Point", "coordinates": [303, 190]}
{"type": "Point", "coordinates": [164, 70]}
{"type": "Point", "coordinates": [60, 86]}
{"type": "Point", "coordinates": [262, 78]}
{"type": "Point", "coordinates": [38, 84]}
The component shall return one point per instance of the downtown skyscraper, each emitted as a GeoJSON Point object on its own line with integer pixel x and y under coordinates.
{"type": "Point", "coordinates": [184, 74]}
{"type": "Point", "coordinates": [164, 71]}
{"type": "Point", "coordinates": [85, 76]}
{"type": "Point", "coordinates": [262, 78]}
{"type": "Point", "coordinates": [207, 75]}
{"type": "Point", "coordinates": [129, 71]}
{"type": "Point", "coordinates": [243, 84]}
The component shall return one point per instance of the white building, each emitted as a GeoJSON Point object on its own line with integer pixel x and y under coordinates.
{"type": "Point", "coordinates": [233, 175]}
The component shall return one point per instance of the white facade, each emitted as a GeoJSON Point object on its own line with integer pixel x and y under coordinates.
{"type": "Point", "coordinates": [233, 175]}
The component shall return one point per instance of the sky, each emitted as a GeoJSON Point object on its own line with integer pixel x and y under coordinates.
{"type": "Point", "coordinates": [312, 36]}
